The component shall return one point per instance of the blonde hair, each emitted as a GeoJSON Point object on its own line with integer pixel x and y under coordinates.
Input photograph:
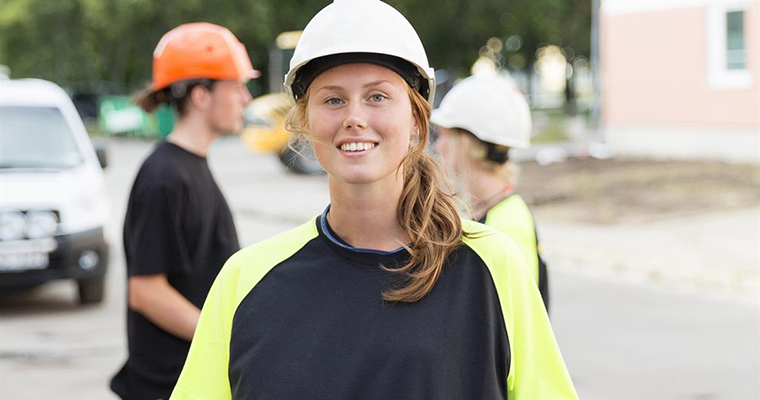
{"type": "Point", "coordinates": [473, 151]}
{"type": "Point", "coordinates": [426, 210]}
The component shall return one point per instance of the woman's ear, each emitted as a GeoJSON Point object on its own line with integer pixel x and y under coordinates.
{"type": "Point", "coordinates": [415, 130]}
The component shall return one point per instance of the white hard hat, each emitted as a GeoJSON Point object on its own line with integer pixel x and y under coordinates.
{"type": "Point", "coordinates": [489, 107]}
{"type": "Point", "coordinates": [349, 31]}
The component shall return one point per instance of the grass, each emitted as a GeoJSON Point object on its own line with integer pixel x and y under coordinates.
{"type": "Point", "coordinates": [549, 126]}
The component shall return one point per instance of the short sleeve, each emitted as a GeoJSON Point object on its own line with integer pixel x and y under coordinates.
{"type": "Point", "coordinates": [539, 372]}
{"type": "Point", "coordinates": [205, 373]}
{"type": "Point", "coordinates": [154, 240]}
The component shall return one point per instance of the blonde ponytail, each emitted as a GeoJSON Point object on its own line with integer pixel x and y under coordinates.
{"type": "Point", "coordinates": [427, 212]}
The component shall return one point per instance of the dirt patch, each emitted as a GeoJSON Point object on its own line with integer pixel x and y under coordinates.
{"type": "Point", "coordinates": [627, 190]}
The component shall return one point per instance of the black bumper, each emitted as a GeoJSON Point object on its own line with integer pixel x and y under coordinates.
{"type": "Point", "coordinates": [64, 261]}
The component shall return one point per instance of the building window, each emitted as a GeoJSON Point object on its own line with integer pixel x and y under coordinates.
{"type": "Point", "coordinates": [735, 40]}
{"type": "Point", "coordinates": [726, 51]}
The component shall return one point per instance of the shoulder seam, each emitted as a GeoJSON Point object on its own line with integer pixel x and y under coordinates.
{"type": "Point", "coordinates": [298, 238]}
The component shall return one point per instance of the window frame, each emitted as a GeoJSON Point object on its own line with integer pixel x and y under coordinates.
{"type": "Point", "coordinates": [719, 77]}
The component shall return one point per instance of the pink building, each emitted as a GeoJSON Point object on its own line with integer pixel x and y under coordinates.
{"type": "Point", "coordinates": [680, 78]}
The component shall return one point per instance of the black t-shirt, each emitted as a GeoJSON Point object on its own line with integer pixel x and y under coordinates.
{"type": "Point", "coordinates": [452, 343]}
{"type": "Point", "coordinates": [177, 224]}
{"type": "Point", "coordinates": [300, 316]}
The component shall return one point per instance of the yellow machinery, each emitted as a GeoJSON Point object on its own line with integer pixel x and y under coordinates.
{"type": "Point", "coordinates": [265, 133]}
{"type": "Point", "coordinates": [265, 123]}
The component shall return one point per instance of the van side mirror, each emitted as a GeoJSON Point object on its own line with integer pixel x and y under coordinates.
{"type": "Point", "coordinates": [100, 151]}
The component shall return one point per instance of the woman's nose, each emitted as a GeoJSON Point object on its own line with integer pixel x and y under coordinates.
{"type": "Point", "coordinates": [356, 118]}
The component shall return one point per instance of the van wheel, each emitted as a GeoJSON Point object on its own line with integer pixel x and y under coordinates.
{"type": "Point", "coordinates": [91, 290]}
{"type": "Point", "coordinates": [304, 163]}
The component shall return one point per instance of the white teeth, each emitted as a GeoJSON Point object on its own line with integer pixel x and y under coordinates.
{"type": "Point", "coordinates": [354, 146]}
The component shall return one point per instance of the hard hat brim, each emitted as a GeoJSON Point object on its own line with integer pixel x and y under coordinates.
{"type": "Point", "coordinates": [307, 73]}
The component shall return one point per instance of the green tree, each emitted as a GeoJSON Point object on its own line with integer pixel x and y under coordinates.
{"type": "Point", "coordinates": [84, 44]}
{"type": "Point", "coordinates": [455, 30]}
{"type": "Point", "coordinates": [44, 39]}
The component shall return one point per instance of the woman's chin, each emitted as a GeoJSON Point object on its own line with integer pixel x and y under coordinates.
{"type": "Point", "coordinates": [360, 176]}
{"type": "Point", "coordinates": [356, 178]}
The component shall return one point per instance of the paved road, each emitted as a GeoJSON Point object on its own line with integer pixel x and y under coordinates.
{"type": "Point", "coordinates": [621, 340]}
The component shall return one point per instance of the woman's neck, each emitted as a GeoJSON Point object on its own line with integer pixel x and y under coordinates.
{"type": "Point", "coordinates": [483, 185]}
{"type": "Point", "coordinates": [366, 216]}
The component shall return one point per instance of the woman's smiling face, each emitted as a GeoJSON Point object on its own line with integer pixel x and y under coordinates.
{"type": "Point", "coordinates": [360, 117]}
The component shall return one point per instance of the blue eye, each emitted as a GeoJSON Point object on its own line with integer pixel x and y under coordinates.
{"type": "Point", "coordinates": [377, 97]}
{"type": "Point", "coordinates": [333, 101]}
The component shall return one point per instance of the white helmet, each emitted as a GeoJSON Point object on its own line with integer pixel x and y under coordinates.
{"type": "Point", "coordinates": [489, 107]}
{"type": "Point", "coordinates": [348, 31]}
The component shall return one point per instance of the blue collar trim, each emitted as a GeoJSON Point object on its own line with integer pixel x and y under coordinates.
{"type": "Point", "coordinates": [326, 231]}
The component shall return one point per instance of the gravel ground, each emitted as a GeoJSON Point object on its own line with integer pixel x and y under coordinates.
{"type": "Point", "coordinates": [615, 191]}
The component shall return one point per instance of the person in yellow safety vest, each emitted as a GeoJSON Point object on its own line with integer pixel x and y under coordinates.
{"type": "Point", "coordinates": [479, 121]}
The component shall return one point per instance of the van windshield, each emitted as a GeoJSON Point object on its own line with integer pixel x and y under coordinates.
{"type": "Point", "coordinates": [36, 137]}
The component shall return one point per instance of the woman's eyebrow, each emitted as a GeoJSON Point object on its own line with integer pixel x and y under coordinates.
{"type": "Point", "coordinates": [336, 88]}
{"type": "Point", "coordinates": [375, 83]}
{"type": "Point", "coordinates": [366, 85]}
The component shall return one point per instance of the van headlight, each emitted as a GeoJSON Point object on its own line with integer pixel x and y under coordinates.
{"type": "Point", "coordinates": [42, 224]}
{"type": "Point", "coordinates": [13, 225]}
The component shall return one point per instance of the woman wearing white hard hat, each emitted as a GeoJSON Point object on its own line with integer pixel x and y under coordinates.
{"type": "Point", "coordinates": [384, 295]}
{"type": "Point", "coordinates": [479, 121]}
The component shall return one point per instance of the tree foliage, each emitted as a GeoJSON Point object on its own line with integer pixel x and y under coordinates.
{"type": "Point", "coordinates": [106, 45]}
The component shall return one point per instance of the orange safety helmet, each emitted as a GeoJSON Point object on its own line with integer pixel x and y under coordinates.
{"type": "Point", "coordinates": [200, 50]}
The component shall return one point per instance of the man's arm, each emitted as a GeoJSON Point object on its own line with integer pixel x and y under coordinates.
{"type": "Point", "coordinates": [153, 297]}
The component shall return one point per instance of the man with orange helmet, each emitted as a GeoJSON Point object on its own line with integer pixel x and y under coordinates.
{"type": "Point", "coordinates": [178, 230]}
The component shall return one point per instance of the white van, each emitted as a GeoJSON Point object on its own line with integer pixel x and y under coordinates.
{"type": "Point", "coordinates": [53, 203]}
